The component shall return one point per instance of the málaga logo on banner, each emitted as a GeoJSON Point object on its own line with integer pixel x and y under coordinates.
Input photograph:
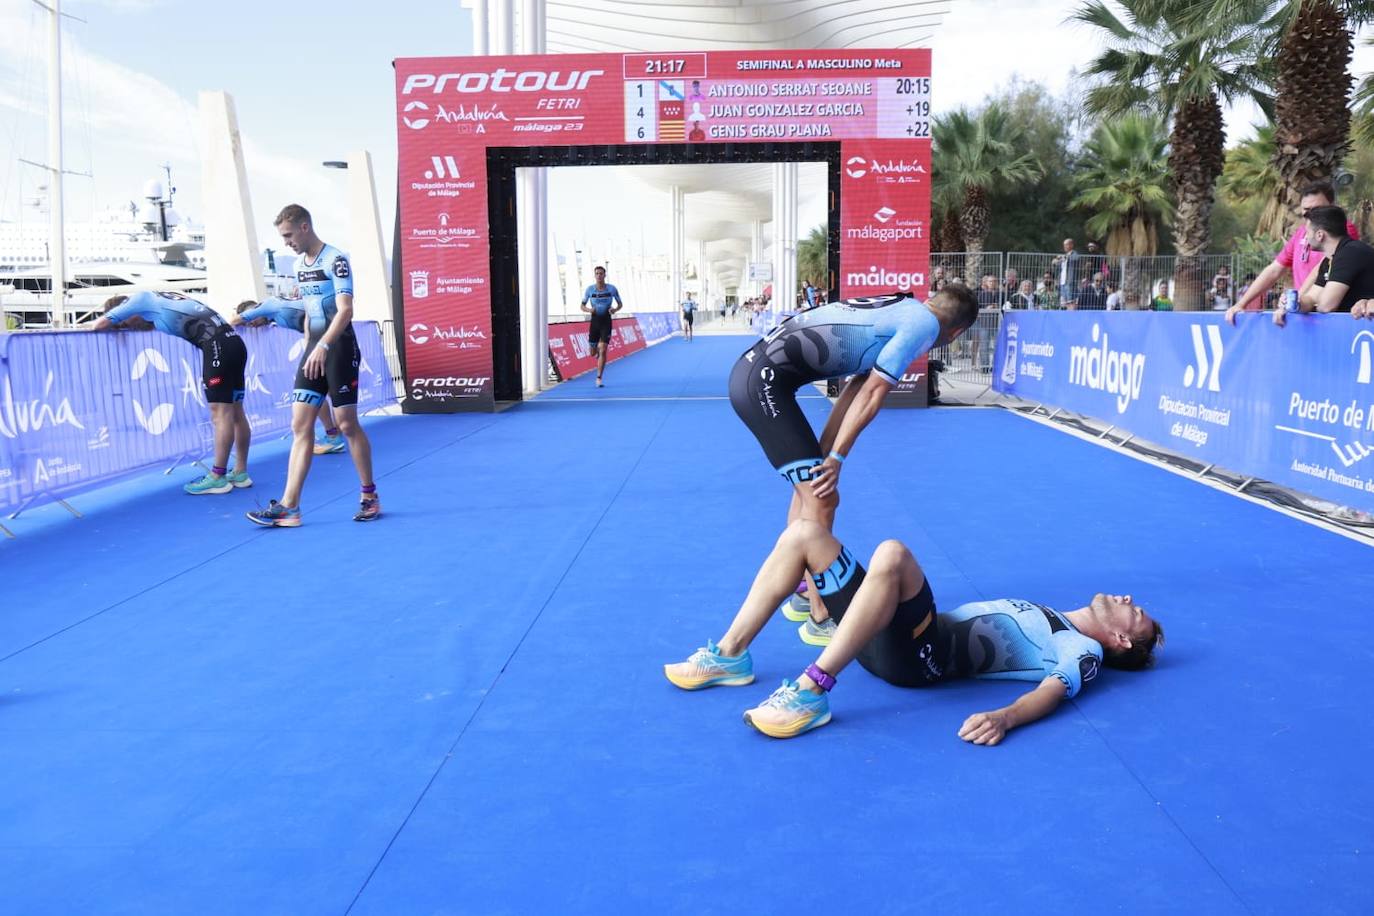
{"type": "Point", "coordinates": [1101, 368]}
{"type": "Point", "coordinates": [159, 418]}
{"type": "Point", "coordinates": [33, 415]}
{"type": "Point", "coordinates": [888, 279]}
{"type": "Point", "coordinates": [1197, 375]}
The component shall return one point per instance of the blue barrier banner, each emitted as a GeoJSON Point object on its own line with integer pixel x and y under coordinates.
{"type": "Point", "coordinates": [657, 326]}
{"type": "Point", "coordinates": [1292, 405]}
{"type": "Point", "coordinates": [79, 409]}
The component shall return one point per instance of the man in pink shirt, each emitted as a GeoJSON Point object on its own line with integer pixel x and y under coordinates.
{"type": "Point", "coordinates": [1295, 255]}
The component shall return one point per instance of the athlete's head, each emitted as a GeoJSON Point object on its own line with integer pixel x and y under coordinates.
{"type": "Point", "coordinates": [244, 306]}
{"type": "Point", "coordinates": [133, 323]}
{"type": "Point", "coordinates": [957, 308]}
{"type": "Point", "coordinates": [600, 274]}
{"type": "Point", "coordinates": [1128, 635]}
{"type": "Point", "coordinates": [296, 228]}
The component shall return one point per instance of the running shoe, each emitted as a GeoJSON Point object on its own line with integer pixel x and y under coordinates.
{"type": "Point", "coordinates": [208, 485]}
{"type": "Point", "coordinates": [276, 516]}
{"type": "Point", "coordinates": [790, 711]}
{"type": "Point", "coordinates": [239, 479]}
{"type": "Point", "coordinates": [708, 668]}
{"type": "Point", "coordinates": [599, 383]}
{"type": "Point", "coordinates": [369, 509]}
{"type": "Point", "coordinates": [797, 608]}
{"type": "Point", "coordinates": [329, 445]}
{"type": "Point", "coordinates": [816, 634]}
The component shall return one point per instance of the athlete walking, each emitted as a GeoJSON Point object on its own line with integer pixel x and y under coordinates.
{"type": "Point", "coordinates": [328, 367]}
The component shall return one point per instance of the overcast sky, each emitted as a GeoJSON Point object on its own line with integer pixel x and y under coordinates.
{"type": "Point", "coordinates": [313, 81]}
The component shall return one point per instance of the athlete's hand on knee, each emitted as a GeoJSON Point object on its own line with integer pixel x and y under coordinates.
{"type": "Point", "coordinates": [985, 728]}
{"type": "Point", "coordinates": [825, 478]}
{"type": "Point", "coordinates": [314, 363]}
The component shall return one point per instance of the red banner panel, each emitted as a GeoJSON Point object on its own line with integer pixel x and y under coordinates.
{"type": "Point", "coordinates": [573, 355]}
{"type": "Point", "coordinates": [874, 103]}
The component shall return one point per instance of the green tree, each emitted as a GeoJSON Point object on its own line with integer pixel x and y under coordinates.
{"type": "Point", "coordinates": [813, 259]}
{"type": "Point", "coordinates": [978, 154]}
{"type": "Point", "coordinates": [1309, 43]}
{"type": "Point", "coordinates": [1123, 182]}
{"type": "Point", "coordinates": [1051, 131]}
{"type": "Point", "coordinates": [1156, 60]}
{"type": "Point", "coordinates": [1250, 174]}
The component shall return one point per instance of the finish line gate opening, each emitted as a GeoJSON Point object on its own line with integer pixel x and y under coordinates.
{"type": "Point", "coordinates": [465, 124]}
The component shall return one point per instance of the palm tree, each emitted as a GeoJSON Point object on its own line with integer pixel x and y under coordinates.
{"type": "Point", "coordinates": [977, 154]}
{"type": "Point", "coordinates": [1123, 181]}
{"type": "Point", "coordinates": [813, 258]}
{"type": "Point", "coordinates": [1250, 173]}
{"type": "Point", "coordinates": [1309, 42]}
{"type": "Point", "coordinates": [1156, 60]}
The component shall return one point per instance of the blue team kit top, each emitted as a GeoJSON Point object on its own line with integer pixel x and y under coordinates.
{"type": "Point", "coordinates": [1016, 640]}
{"type": "Point", "coordinates": [172, 313]}
{"type": "Point", "coordinates": [601, 299]}
{"type": "Point", "coordinates": [286, 313]}
{"type": "Point", "coordinates": [882, 333]}
{"type": "Point", "coordinates": [328, 276]}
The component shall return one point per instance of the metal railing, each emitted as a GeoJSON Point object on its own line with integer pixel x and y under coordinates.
{"type": "Point", "coordinates": [1212, 281]}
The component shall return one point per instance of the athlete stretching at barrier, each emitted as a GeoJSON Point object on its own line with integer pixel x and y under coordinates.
{"type": "Point", "coordinates": [328, 367]}
{"type": "Point", "coordinates": [290, 314]}
{"type": "Point", "coordinates": [600, 295]}
{"type": "Point", "coordinates": [887, 620]}
{"type": "Point", "coordinates": [223, 359]}
{"type": "Point", "coordinates": [873, 339]}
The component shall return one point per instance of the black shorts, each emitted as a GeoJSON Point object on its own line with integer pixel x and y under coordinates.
{"type": "Point", "coordinates": [340, 381]}
{"type": "Point", "coordinates": [895, 655]}
{"type": "Point", "coordinates": [223, 361]}
{"type": "Point", "coordinates": [689, 317]}
{"type": "Point", "coordinates": [764, 395]}
{"type": "Point", "coordinates": [600, 330]}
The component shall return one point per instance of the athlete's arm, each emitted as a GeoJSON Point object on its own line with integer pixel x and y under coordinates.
{"type": "Point", "coordinates": [989, 728]}
{"type": "Point", "coordinates": [585, 296]}
{"type": "Point", "coordinates": [618, 304]}
{"type": "Point", "coordinates": [860, 412]}
{"type": "Point", "coordinates": [846, 398]}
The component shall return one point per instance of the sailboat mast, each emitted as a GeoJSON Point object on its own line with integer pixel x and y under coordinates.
{"type": "Point", "coordinates": [57, 241]}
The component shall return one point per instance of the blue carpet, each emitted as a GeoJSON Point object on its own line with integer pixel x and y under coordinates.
{"type": "Point", "coordinates": [460, 708]}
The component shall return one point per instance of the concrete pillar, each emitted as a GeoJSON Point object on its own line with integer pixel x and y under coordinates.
{"type": "Point", "coordinates": [481, 28]}
{"type": "Point", "coordinates": [233, 263]}
{"type": "Point", "coordinates": [755, 256]}
{"type": "Point", "coordinates": [371, 285]}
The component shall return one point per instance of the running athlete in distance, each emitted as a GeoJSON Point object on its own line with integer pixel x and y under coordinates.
{"type": "Point", "coordinates": [600, 295]}
{"type": "Point", "coordinates": [290, 314]}
{"type": "Point", "coordinates": [689, 316]}
{"type": "Point", "coordinates": [328, 367]}
{"type": "Point", "coordinates": [887, 620]}
{"type": "Point", "coordinates": [874, 340]}
{"type": "Point", "coordinates": [223, 360]}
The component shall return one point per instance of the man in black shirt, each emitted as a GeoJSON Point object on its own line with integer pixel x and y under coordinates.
{"type": "Point", "coordinates": [1093, 296]}
{"type": "Point", "coordinates": [1345, 277]}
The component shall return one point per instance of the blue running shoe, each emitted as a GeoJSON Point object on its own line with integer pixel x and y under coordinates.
{"type": "Point", "coordinates": [797, 608]}
{"type": "Point", "coordinates": [329, 445]}
{"type": "Point", "coordinates": [239, 479]}
{"type": "Point", "coordinates": [276, 516]}
{"type": "Point", "coordinates": [210, 484]}
{"type": "Point", "coordinates": [790, 711]}
{"type": "Point", "coordinates": [708, 668]}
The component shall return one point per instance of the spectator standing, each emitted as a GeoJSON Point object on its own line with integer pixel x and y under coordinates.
{"type": "Point", "coordinates": [1114, 298]}
{"type": "Point", "coordinates": [1296, 255]}
{"type": "Point", "coordinates": [1094, 295]}
{"type": "Point", "coordinates": [1067, 267]}
{"type": "Point", "coordinates": [1161, 302]}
